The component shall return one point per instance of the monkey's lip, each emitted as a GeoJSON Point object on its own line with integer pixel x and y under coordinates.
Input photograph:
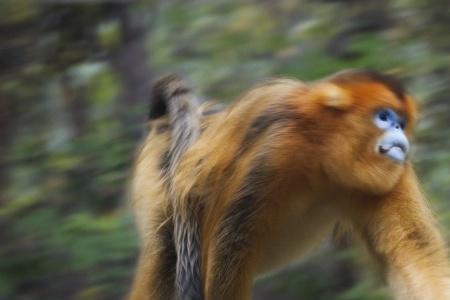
{"type": "Point", "coordinates": [384, 149]}
{"type": "Point", "coordinates": [396, 152]}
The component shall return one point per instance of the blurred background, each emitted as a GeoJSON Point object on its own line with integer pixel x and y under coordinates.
{"type": "Point", "coordinates": [74, 87]}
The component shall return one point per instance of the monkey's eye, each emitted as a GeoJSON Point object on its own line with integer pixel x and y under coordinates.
{"type": "Point", "coordinates": [387, 118]}
{"type": "Point", "coordinates": [383, 119]}
{"type": "Point", "coordinates": [383, 115]}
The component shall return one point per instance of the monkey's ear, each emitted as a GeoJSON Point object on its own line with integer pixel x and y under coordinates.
{"type": "Point", "coordinates": [332, 95]}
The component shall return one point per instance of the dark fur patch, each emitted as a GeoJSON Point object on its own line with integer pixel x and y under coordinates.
{"type": "Point", "coordinates": [420, 239]}
{"type": "Point", "coordinates": [163, 90]}
{"type": "Point", "coordinates": [180, 91]}
{"type": "Point", "coordinates": [165, 162]}
{"type": "Point", "coordinates": [390, 82]}
{"type": "Point", "coordinates": [161, 128]}
{"type": "Point", "coordinates": [166, 263]}
{"type": "Point", "coordinates": [233, 234]}
{"type": "Point", "coordinates": [280, 115]}
{"type": "Point", "coordinates": [157, 108]}
{"type": "Point", "coordinates": [213, 110]}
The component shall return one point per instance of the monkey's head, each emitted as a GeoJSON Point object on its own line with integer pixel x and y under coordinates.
{"type": "Point", "coordinates": [369, 119]}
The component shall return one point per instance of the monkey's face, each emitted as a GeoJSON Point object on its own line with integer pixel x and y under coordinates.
{"type": "Point", "coordinates": [393, 143]}
{"type": "Point", "coordinates": [369, 144]}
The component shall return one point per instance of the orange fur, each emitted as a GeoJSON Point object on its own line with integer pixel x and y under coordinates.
{"type": "Point", "coordinates": [274, 172]}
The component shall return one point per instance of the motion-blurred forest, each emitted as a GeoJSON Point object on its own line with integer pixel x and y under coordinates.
{"type": "Point", "coordinates": [74, 87]}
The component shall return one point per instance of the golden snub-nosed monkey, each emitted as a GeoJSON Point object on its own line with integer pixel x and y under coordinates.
{"type": "Point", "coordinates": [223, 194]}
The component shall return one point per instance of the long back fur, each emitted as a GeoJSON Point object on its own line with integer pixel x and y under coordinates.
{"type": "Point", "coordinates": [173, 98]}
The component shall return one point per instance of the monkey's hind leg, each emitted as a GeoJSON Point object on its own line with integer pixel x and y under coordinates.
{"type": "Point", "coordinates": [230, 264]}
{"type": "Point", "coordinates": [230, 277]}
{"type": "Point", "coordinates": [155, 274]}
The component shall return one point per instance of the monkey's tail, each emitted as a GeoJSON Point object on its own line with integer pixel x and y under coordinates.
{"type": "Point", "coordinates": [173, 97]}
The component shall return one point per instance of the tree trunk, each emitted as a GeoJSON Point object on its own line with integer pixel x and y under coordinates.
{"type": "Point", "coordinates": [130, 61]}
{"type": "Point", "coordinates": [6, 133]}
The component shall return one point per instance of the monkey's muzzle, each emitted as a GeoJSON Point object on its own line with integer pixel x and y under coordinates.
{"type": "Point", "coordinates": [394, 145]}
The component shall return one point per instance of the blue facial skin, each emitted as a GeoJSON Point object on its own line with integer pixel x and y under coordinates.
{"type": "Point", "coordinates": [393, 143]}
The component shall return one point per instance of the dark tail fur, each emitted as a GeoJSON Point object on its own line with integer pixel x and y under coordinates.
{"type": "Point", "coordinates": [172, 97]}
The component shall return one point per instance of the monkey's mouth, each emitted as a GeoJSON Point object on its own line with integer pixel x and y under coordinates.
{"type": "Point", "coordinates": [397, 151]}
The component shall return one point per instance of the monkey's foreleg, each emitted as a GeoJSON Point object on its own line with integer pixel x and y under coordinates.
{"type": "Point", "coordinates": [400, 233]}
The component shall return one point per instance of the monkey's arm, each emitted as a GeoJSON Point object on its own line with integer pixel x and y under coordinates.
{"type": "Point", "coordinates": [401, 235]}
